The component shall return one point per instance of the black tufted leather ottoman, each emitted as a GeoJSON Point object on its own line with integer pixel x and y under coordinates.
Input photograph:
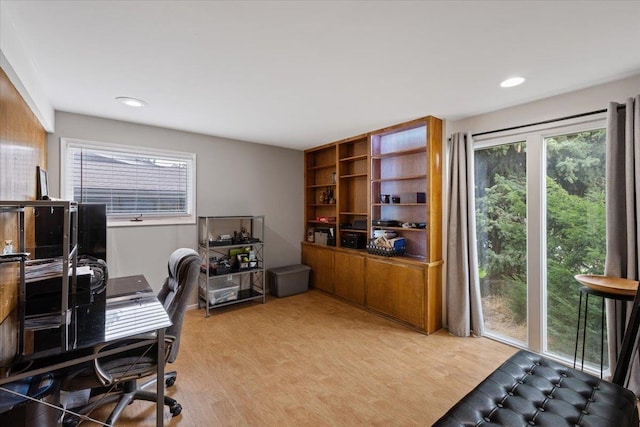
{"type": "Point", "coordinates": [530, 390]}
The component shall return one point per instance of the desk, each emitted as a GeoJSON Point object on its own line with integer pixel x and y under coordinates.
{"type": "Point", "coordinates": [126, 288]}
{"type": "Point", "coordinates": [131, 309]}
{"type": "Point", "coordinates": [609, 285]}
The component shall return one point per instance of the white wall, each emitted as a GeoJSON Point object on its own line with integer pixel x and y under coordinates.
{"type": "Point", "coordinates": [582, 101]}
{"type": "Point", "coordinates": [233, 178]}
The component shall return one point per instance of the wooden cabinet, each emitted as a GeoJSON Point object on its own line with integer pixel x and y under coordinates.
{"type": "Point", "coordinates": [397, 290]}
{"type": "Point", "coordinates": [387, 181]}
{"type": "Point", "coordinates": [320, 259]}
{"type": "Point", "coordinates": [349, 276]}
{"type": "Point", "coordinates": [379, 286]}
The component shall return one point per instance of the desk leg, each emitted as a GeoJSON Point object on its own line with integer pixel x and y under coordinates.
{"type": "Point", "coordinates": [160, 381]}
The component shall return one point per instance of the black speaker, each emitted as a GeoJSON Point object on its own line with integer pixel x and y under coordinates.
{"type": "Point", "coordinates": [352, 240]}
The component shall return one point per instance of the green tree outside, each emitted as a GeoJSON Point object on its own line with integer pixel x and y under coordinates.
{"type": "Point", "coordinates": [575, 232]}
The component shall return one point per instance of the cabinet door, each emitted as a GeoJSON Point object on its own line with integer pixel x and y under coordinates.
{"type": "Point", "coordinates": [409, 298]}
{"type": "Point", "coordinates": [349, 276]}
{"type": "Point", "coordinates": [397, 290]}
{"type": "Point", "coordinates": [379, 282]}
{"type": "Point", "coordinates": [321, 262]}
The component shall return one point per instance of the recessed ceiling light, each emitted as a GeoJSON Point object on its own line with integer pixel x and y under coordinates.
{"type": "Point", "coordinates": [131, 102]}
{"type": "Point", "coordinates": [513, 81]}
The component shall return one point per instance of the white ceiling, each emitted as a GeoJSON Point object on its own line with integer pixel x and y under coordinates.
{"type": "Point", "coordinates": [303, 73]}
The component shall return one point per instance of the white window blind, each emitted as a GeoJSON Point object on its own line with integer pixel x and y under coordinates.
{"type": "Point", "coordinates": [134, 182]}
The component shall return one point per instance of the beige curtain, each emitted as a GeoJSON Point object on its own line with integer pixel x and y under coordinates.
{"type": "Point", "coordinates": [464, 309]}
{"type": "Point", "coordinates": [622, 207]}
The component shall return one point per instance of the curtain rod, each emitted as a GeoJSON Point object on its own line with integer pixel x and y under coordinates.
{"type": "Point", "coordinates": [544, 122]}
{"type": "Point", "coordinates": [575, 116]}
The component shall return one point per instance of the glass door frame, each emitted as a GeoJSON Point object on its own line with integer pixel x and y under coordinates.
{"type": "Point", "coordinates": [536, 164]}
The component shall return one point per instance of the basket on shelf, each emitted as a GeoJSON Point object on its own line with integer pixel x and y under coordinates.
{"type": "Point", "coordinates": [386, 247]}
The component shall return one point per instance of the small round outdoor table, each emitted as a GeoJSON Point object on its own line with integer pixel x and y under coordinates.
{"type": "Point", "coordinates": [614, 288]}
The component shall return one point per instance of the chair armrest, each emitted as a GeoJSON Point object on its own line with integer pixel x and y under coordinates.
{"type": "Point", "coordinates": [102, 373]}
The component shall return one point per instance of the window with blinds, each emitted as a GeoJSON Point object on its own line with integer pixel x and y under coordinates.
{"type": "Point", "coordinates": [139, 185]}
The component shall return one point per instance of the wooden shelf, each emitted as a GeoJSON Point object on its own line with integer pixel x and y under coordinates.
{"type": "Point", "coordinates": [399, 178]}
{"type": "Point", "coordinates": [354, 158]}
{"type": "Point", "coordinates": [327, 166]}
{"type": "Point", "coordinates": [381, 227]}
{"type": "Point", "coordinates": [354, 175]}
{"type": "Point", "coordinates": [398, 153]}
{"type": "Point", "coordinates": [398, 204]}
{"type": "Point", "coordinates": [396, 160]}
{"type": "Point", "coordinates": [352, 230]}
{"type": "Point", "coordinates": [322, 205]}
{"type": "Point", "coordinates": [320, 185]}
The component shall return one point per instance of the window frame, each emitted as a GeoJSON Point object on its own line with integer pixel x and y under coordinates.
{"type": "Point", "coordinates": [127, 220]}
{"type": "Point", "coordinates": [534, 137]}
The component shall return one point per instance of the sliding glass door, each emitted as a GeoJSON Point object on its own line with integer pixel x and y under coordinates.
{"type": "Point", "coordinates": [575, 233]}
{"type": "Point", "coordinates": [501, 197]}
{"type": "Point", "coordinates": [540, 221]}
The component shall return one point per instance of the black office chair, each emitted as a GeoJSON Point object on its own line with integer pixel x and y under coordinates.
{"type": "Point", "coordinates": [115, 378]}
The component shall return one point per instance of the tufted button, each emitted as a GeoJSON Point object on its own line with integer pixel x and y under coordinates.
{"type": "Point", "coordinates": [532, 423]}
{"type": "Point", "coordinates": [487, 419]}
{"type": "Point", "coordinates": [499, 405]}
{"type": "Point", "coordinates": [510, 393]}
{"type": "Point", "coordinates": [563, 375]}
{"type": "Point", "coordinates": [520, 382]}
{"type": "Point", "coordinates": [557, 385]}
{"type": "Point", "coordinates": [536, 363]}
{"type": "Point", "coordinates": [584, 411]}
{"type": "Point", "coordinates": [549, 396]}
{"type": "Point", "coordinates": [541, 409]}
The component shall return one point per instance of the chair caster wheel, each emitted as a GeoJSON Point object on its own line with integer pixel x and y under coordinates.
{"type": "Point", "coordinates": [170, 381]}
{"type": "Point", "coordinates": [175, 409]}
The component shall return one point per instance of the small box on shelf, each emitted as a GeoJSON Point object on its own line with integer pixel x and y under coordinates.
{"type": "Point", "coordinates": [353, 240]}
{"type": "Point", "coordinates": [325, 236]}
{"type": "Point", "coordinates": [221, 295]}
{"type": "Point", "coordinates": [415, 197]}
{"type": "Point", "coordinates": [387, 247]}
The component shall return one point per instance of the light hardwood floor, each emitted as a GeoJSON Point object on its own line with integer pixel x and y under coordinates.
{"type": "Point", "coordinates": [312, 360]}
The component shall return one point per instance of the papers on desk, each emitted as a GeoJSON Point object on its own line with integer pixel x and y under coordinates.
{"type": "Point", "coordinates": [133, 317]}
{"type": "Point", "coordinates": [46, 321]}
{"type": "Point", "coordinates": [41, 269]}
